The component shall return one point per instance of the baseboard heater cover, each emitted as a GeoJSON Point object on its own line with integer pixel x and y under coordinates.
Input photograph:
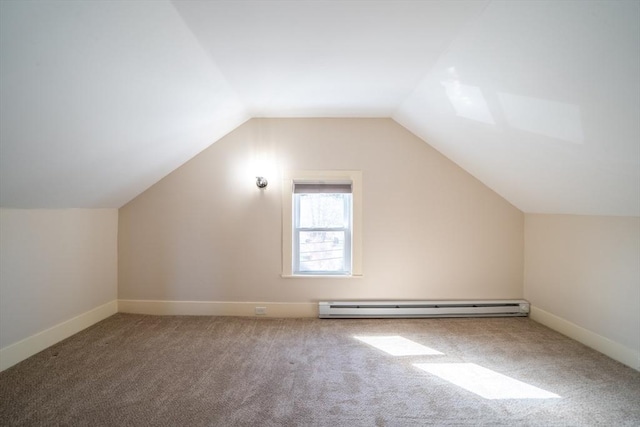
{"type": "Point", "coordinates": [417, 309]}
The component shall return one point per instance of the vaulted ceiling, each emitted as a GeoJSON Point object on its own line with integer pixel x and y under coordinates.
{"type": "Point", "coordinates": [539, 100]}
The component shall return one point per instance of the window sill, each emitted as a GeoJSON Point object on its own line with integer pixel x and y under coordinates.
{"type": "Point", "coordinates": [319, 276]}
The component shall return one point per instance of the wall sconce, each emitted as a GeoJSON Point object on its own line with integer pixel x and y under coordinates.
{"type": "Point", "coordinates": [261, 181]}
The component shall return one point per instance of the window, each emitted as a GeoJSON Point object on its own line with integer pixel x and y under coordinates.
{"type": "Point", "coordinates": [321, 224]}
{"type": "Point", "coordinates": [322, 228]}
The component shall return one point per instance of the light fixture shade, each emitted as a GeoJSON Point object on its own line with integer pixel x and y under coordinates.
{"type": "Point", "coordinates": [261, 181]}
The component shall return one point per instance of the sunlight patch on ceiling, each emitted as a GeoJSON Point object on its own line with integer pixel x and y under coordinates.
{"type": "Point", "coordinates": [548, 118]}
{"type": "Point", "coordinates": [467, 101]}
{"type": "Point", "coordinates": [485, 382]}
{"type": "Point", "coordinates": [397, 345]}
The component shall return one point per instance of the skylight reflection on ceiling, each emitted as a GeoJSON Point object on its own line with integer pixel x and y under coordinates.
{"type": "Point", "coordinates": [485, 382]}
{"type": "Point", "coordinates": [467, 101]}
{"type": "Point", "coordinates": [548, 118]}
{"type": "Point", "coordinates": [397, 345]}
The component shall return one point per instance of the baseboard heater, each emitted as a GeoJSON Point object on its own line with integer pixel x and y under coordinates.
{"type": "Point", "coordinates": [409, 309]}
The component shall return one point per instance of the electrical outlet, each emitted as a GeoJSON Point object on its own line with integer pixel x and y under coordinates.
{"type": "Point", "coordinates": [261, 311]}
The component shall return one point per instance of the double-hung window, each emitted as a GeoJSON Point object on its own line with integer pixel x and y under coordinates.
{"type": "Point", "coordinates": [322, 228]}
{"type": "Point", "coordinates": [322, 224]}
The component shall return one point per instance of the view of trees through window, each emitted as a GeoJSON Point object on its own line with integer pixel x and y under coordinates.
{"type": "Point", "coordinates": [323, 223]}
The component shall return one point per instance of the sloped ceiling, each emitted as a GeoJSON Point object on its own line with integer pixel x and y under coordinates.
{"type": "Point", "coordinates": [101, 99]}
{"type": "Point", "coordinates": [539, 100]}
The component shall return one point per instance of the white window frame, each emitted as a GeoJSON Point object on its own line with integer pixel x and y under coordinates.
{"type": "Point", "coordinates": [321, 177]}
{"type": "Point", "coordinates": [345, 228]}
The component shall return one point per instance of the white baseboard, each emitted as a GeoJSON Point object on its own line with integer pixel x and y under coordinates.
{"type": "Point", "coordinates": [614, 350]}
{"type": "Point", "coordinates": [29, 346]}
{"type": "Point", "coordinates": [218, 308]}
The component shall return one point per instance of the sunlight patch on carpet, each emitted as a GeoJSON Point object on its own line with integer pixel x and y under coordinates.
{"type": "Point", "coordinates": [485, 382]}
{"type": "Point", "coordinates": [397, 346]}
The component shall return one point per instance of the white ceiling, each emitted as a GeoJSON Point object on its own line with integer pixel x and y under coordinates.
{"type": "Point", "coordinates": [539, 100]}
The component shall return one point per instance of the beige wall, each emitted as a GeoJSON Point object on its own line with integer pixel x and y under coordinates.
{"type": "Point", "coordinates": [56, 264]}
{"type": "Point", "coordinates": [586, 270]}
{"type": "Point", "coordinates": [206, 233]}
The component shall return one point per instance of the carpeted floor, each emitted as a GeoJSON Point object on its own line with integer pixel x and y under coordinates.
{"type": "Point", "coordinates": [133, 370]}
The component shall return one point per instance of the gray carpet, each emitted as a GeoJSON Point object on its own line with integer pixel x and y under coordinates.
{"type": "Point", "coordinates": [133, 370]}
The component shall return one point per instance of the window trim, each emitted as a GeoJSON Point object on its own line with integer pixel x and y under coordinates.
{"type": "Point", "coordinates": [328, 177]}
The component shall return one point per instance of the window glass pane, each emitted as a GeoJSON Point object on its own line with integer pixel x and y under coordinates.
{"type": "Point", "coordinates": [323, 210]}
{"type": "Point", "coordinates": [321, 251]}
